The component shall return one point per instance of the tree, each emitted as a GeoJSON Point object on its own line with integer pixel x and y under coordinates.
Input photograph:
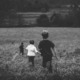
{"type": "Point", "coordinates": [43, 20]}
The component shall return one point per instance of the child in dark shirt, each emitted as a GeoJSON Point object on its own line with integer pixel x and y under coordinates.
{"type": "Point", "coordinates": [45, 47]}
{"type": "Point", "coordinates": [21, 47]}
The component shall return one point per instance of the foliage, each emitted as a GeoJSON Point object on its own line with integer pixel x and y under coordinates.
{"type": "Point", "coordinates": [43, 20]}
{"type": "Point", "coordinates": [6, 7]}
{"type": "Point", "coordinates": [68, 20]}
{"type": "Point", "coordinates": [77, 16]}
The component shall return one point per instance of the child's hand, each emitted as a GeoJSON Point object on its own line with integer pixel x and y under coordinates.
{"type": "Point", "coordinates": [38, 54]}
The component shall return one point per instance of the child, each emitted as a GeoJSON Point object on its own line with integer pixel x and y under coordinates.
{"type": "Point", "coordinates": [32, 50]}
{"type": "Point", "coordinates": [45, 47]}
{"type": "Point", "coordinates": [21, 47]}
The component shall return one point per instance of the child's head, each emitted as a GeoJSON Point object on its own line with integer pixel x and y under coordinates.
{"type": "Point", "coordinates": [21, 43]}
{"type": "Point", "coordinates": [45, 34]}
{"type": "Point", "coordinates": [31, 41]}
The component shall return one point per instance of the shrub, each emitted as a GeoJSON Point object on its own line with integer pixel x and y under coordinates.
{"type": "Point", "coordinates": [57, 20]}
{"type": "Point", "coordinates": [69, 20]}
{"type": "Point", "coordinates": [77, 17]}
{"type": "Point", "coordinates": [43, 20]}
{"type": "Point", "coordinates": [62, 20]}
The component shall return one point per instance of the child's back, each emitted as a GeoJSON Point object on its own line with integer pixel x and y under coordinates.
{"type": "Point", "coordinates": [31, 50]}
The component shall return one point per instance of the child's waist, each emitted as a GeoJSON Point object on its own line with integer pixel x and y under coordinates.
{"type": "Point", "coordinates": [31, 54]}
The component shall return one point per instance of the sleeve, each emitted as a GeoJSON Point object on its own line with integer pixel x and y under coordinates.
{"type": "Point", "coordinates": [27, 47]}
{"type": "Point", "coordinates": [52, 44]}
{"type": "Point", "coordinates": [35, 49]}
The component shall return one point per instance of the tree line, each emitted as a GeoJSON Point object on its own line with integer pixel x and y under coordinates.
{"type": "Point", "coordinates": [32, 5]}
{"type": "Point", "coordinates": [10, 7]}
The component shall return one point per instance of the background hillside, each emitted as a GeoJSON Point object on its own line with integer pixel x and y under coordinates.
{"type": "Point", "coordinates": [12, 12]}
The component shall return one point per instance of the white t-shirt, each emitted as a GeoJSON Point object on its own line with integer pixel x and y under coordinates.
{"type": "Point", "coordinates": [32, 50]}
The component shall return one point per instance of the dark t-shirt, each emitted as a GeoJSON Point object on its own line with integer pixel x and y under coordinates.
{"type": "Point", "coordinates": [45, 47]}
{"type": "Point", "coordinates": [21, 48]}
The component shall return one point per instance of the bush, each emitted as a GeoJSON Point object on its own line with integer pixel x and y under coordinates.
{"type": "Point", "coordinates": [62, 20]}
{"type": "Point", "coordinates": [43, 20]}
{"type": "Point", "coordinates": [57, 20]}
{"type": "Point", "coordinates": [69, 20]}
{"type": "Point", "coordinates": [77, 17]}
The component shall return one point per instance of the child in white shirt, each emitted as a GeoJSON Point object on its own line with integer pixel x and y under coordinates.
{"type": "Point", "coordinates": [32, 50]}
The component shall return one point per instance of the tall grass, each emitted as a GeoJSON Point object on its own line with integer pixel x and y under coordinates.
{"type": "Point", "coordinates": [67, 67]}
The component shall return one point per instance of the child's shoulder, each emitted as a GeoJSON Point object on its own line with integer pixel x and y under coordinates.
{"type": "Point", "coordinates": [33, 45]}
{"type": "Point", "coordinates": [30, 45]}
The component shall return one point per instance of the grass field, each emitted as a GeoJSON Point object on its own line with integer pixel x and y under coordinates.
{"type": "Point", "coordinates": [67, 67]}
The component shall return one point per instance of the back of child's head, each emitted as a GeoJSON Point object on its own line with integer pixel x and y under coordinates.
{"type": "Point", "coordinates": [31, 41]}
{"type": "Point", "coordinates": [45, 34]}
{"type": "Point", "coordinates": [21, 42]}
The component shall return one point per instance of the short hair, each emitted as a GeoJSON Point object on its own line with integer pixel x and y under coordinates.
{"type": "Point", "coordinates": [21, 42]}
{"type": "Point", "coordinates": [31, 41]}
{"type": "Point", "coordinates": [45, 34]}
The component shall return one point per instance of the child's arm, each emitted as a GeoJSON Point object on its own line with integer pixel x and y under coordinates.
{"type": "Point", "coordinates": [37, 52]}
{"type": "Point", "coordinates": [55, 53]}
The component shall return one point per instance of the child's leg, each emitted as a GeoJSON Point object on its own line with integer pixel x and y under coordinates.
{"type": "Point", "coordinates": [22, 53]}
{"type": "Point", "coordinates": [44, 62]}
{"type": "Point", "coordinates": [50, 66]}
{"type": "Point", "coordinates": [29, 59]}
{"type": "Point", "coordinates": [32, 60]}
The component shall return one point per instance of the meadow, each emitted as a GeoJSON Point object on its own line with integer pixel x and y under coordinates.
{"type": "Point", "coordinates": [67, 44]}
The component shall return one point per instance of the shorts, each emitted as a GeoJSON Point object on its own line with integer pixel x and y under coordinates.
{"type": "Point", "coordinates": [47, 58]}
{"type": "Point", "coordinates": [31, 58]}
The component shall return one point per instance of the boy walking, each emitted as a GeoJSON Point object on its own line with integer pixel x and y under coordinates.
{"type": "Point", "coordinates": [45, 47]}
{"type": "Point", "coordinates": [21, 47]}
{"type": "Point", "coordinates": [32, 50]}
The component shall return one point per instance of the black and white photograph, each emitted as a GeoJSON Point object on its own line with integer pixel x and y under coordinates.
{"type": "Point", "coordinates": [39, 39]}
